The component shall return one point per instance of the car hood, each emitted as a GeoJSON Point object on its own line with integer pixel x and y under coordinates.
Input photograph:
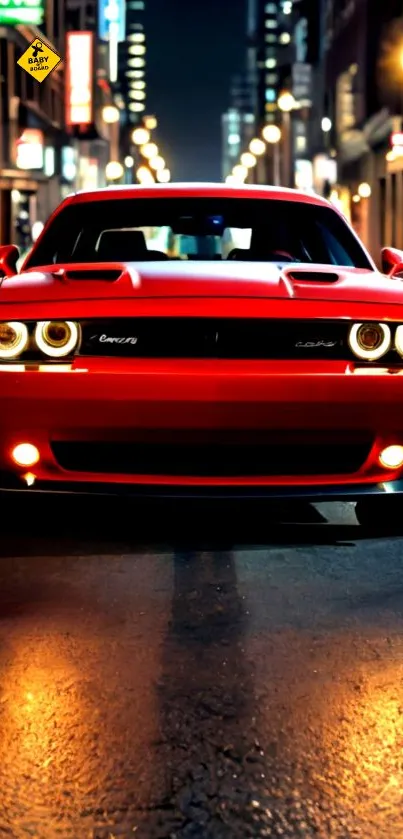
{"type": "Point", "coordinates": [200, 280]}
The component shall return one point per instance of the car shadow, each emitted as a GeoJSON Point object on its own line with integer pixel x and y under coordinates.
{"type": "Point", "coordinates": [46, 525]}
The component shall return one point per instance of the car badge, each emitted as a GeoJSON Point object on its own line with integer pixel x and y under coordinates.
{"type": "Point", "coordinates": [315, 344]}
{"type": "Point", "coordinates": [112, 339]}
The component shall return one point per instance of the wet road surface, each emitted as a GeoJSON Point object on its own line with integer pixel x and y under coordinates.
{"type": "Point", "coordinates": [198, 672]}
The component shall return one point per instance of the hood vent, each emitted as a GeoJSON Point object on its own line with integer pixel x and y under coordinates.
{"type": "Point", "coordinates": [109, 275]}
{"type": "Point", "coordinates": [313, 276]}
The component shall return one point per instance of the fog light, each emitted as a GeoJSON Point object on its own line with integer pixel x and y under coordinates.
{"type": "Point", "coordinates": [392, 457]}
{"type": "Point", "coordinates": [25, 454]}
{"type": "Point", "coordinates": [29, 479]}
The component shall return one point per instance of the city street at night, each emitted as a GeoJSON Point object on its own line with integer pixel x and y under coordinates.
{"type": "Point", "coordinates": [201, 419]}
{"type": "Point", "coordinates": [202, 671]}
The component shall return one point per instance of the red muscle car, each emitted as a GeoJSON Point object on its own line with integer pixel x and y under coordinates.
{"type": "Point", "coordinates": [202, 340]}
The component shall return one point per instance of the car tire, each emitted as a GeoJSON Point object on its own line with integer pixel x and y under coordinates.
{"type": "Point", "coordinates": [380, 513]}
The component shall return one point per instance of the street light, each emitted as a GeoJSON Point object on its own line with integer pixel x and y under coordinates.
{"type": "Point", "coordinates": [110, 114]}
{"type": "Point", "coordinates": [272, 134]}
{"type": "Point", "coordinates": [129, 161]}
{"type": "Point", "coordinates": [364, 190]}
{"type": "Point", "coordinates": [231, 179]}
{"type": "Point", "coordinates": [164, 176]}
{"type": "Point", "coordinates": [326, 125]}
{"type": "Point", "coordinates": [114, 170]}
{"type": "Point", "coordinates": [240, 172]}
{"type": "Point", "coordinates": [150, 123]}
{"type": "Point", "coordinates": [149, 150]}
{"type": "Point", "coordinates": [140, 136]}
{"type": "Point", "coordinates": [144, 176]}
{"type": "Point", "coordinates": [248, 159]}
{"type": "Point", "coordinates": [286, 102]}
{"type": "Point", "coordinates": [157, 163]}
{"type": "Point", "coordinates": [257, 147]}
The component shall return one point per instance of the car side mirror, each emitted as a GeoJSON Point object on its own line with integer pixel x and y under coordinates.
{"type": "Point", "coordinates": [9, 256]}
{"type": "Point", "coordinates": [392, 261]}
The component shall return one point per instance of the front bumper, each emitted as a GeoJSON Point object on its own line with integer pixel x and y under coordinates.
{"type": "Point", "coordinates": [106, 400]}
{"type": "Point", "coordinates": [311, 493]}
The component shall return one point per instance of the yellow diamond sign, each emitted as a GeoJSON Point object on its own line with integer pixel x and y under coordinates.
{"type": "Point", "coordinates": [39, 59]}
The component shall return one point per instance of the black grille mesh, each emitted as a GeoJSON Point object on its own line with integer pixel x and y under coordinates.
{"type": "Point", "coordinates": [211, 459]}
{"type": "Point", "coordinates": [216, 338]}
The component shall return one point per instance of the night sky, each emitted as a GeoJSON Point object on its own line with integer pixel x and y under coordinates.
{"type": "Point", "coordinates": [193, 49]}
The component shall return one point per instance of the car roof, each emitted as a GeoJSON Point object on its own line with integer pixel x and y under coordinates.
{"type": "Point", "coordinates": [196, 190]}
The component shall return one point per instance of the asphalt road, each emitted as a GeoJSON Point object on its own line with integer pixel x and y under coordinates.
{"type": "Point", "coordinates": [198, 672]}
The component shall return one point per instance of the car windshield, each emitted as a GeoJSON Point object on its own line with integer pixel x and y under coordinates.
{"type": "Point", "coordinates": [140, 229]}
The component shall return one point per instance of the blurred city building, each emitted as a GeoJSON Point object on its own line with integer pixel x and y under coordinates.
{"type": "Point", "coordinates": [284, 68]}
{"type": "Point", "coordinates": [132, 64]}
{"type": "Point", "coordinates": [53, 137]}
{"type": "Point", "coordinates": [238, 123]}
{"type": "Point", "coordinates": [88, 91]}
{"type": "Point", "coordinates": [364, 83]}
{"type": "Point", "coordinates": [31, 119]}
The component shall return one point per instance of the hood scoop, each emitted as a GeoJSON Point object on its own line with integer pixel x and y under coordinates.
{"type": "Point", "coordinates": [108, 275]}
{"type": "Point", "coordinates": [312, 276]}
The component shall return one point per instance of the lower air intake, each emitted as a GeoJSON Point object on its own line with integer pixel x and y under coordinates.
{"type": "Point", "coordinates": [210, 460]}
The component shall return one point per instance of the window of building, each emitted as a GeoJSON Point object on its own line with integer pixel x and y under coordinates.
{"type": "Point", "coordinates": [271, 39]}
{"type": "Point", "coordinates": [270, 8]}
{"type": "Point", "coordinates": [270, 94]}
{"type": "Point", "coordinates": [271, 23]}
{"type": "Point", "coordinates": [270, 62]}
{"type": "Point", "coordinates": [300, 144]}
{"type": "Point", "coordinates": [271, 78]}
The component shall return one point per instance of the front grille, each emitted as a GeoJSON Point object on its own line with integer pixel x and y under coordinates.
{"type": "Point", "coordinates": [216, 338]}
{"type": "Point", "coordinates": [211, 460]}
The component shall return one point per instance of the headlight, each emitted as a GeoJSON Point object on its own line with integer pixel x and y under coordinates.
{"type": "Point", "coordinates": [399, 340]}
{"type": "Point", "coordinates": [370, 341]}
{"type": "Point", "coordinates": [56, 338]}
{"type": "Point", "coordinates": [13, 339]}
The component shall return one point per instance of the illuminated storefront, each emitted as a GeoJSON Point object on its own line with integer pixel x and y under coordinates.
{"type": "Point", "coordinates": [31, 135]}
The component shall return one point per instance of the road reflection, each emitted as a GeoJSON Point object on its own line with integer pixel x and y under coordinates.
{"type": "Point", "coordinates": [244, 680]}
{"type": "Point", "coordinates": [206, 700]}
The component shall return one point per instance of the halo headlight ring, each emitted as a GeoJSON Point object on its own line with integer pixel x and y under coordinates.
{"type": "Point", "coordinates": [381, 344]}
{"type": "Point", "coordinates": [12, 345]}
{"type": "Point", "coordinates": [62, 343]}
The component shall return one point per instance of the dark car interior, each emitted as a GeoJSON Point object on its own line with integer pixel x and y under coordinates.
{"type": "Point", "coordinates": [124, 246]}
{"type": "Point", "coordinates": [127, 229]}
